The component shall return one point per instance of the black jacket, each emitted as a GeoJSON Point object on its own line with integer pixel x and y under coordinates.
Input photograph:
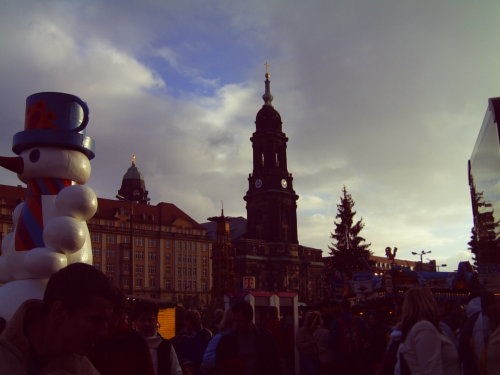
{"type": "Point", "coordinates": [265, 349]}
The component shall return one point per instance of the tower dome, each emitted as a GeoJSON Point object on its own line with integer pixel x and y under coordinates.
{"type": "Point", "coordinates": [133, 188]}
{"type": "Point", "coordinates": [268, 118]}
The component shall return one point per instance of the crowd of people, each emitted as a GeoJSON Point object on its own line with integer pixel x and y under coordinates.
{"type": "Point", "coordinates": [82, 326]}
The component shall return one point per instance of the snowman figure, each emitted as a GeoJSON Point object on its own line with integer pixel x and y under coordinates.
{"type": "Point", "coordinates": [50, 229]}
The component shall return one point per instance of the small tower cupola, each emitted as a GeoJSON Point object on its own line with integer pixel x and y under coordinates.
{"type": "Point", "coordinates": [133, 188]}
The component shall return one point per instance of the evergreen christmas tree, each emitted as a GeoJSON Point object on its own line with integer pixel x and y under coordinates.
{"type": "Point", "coordinates": [349, 251]}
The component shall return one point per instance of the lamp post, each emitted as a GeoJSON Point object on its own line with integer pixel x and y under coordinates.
{"type": "Point", "coordinates": [422, 253]}
{"type": "Point", "coordinates": [441, 265]}
{"type": "Point", "coordinates": [131, 243]}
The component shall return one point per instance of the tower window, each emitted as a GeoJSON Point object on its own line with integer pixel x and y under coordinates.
{"type": "Point", "coordinates": [277, 160]}
{"type": "Point", "coordinates": [262, 159]}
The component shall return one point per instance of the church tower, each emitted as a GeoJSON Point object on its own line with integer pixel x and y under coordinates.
{"type": "Point", "coordinates": [133, 188]}
{"type": "Point", "coordinates": [271, 202]}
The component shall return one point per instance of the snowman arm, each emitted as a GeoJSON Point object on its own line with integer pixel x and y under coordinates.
{"type": "Point", "coordinates": [76, 201]}
{"type": "Point", "coordinates": [65, 234]}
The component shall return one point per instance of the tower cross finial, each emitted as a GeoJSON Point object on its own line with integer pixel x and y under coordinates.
{"type": "Point", "coordinates": [133, 159]}
{"type": "Point", "coordinates": [267, 69]}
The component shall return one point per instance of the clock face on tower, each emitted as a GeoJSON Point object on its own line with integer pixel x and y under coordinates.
{"type": "Point", "coordinates": [258, 183]}
{"type": "Point", "coordinates": [284, 183]}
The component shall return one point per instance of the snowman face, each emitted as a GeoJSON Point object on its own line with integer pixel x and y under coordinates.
{"type": "Point", "coordinates": [53, 162]}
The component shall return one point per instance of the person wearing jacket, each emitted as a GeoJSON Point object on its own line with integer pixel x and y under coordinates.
{"type": "Point", "coordinates": [248, 349]}
{"type": "Point", "coordinates": [424, 349]}
{"type": "Point", "coordinates": [144, 319]}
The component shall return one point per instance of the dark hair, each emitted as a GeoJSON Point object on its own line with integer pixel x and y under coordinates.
{"type": "Point", "coordinates": [75, 285]}
{"type": "Point", "coordinates": [141, 307]}
{"type": "Point", "coordinates": [243, 307]}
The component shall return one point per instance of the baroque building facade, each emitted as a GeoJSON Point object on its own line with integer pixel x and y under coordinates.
{"type": "Point", "coordinates": [171, 252]}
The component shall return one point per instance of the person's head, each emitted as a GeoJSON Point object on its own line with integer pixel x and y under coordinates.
{"type": "Point", "coordinates": [77, 306]}
{"type": "Point", "coordinates": [144, 318]}
{"type": "Point", "coordinates": [418, 304]}
{"type": "Point", "coordinates": [192, 320]}
{"type": "Point", "coordinates": [243, 316]}
{"type": "Point", "coordinates": [312, 320]}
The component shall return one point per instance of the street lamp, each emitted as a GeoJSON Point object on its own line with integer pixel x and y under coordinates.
{"type": "Point", "coordinates": [422, 253]}
{"type": "Point", "coordinates": [131, 238]}
{"type": "Point", "coordinates": [441, 265]}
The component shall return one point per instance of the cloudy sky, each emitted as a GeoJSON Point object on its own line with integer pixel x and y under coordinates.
{"type": "Point", "coordinates": [385, 97]}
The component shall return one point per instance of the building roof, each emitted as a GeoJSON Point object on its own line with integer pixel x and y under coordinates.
{"type": "Point", "coordinates": [13, 195]}
{"type": "Point", "coordinates": [237, 225]}
{"type": "Point", "coordinates": [164, 213]}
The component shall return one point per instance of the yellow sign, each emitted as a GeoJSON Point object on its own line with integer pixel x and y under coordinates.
{"type": "Point", "coordinates": [166, 318]}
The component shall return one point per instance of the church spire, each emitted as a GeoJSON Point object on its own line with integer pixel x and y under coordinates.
{"type": "Point", "coordinates": [267, 97]}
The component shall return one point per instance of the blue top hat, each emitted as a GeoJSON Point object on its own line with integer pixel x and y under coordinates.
{"type": "Point", "coordinates": [55, 119]}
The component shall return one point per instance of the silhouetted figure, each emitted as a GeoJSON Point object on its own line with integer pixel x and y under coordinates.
{"type": "Point", "coordinates": [53, 335]}
{"type": "Point", "coordinates": [307, 344]}
{"type": "Point", "coordinates": [192, 340]}
{"type": "Point", "coordinates": [248, 350]}
{"type": "Point", "coordinates": [226, 326]}
{"type": "Point", "coordinates": [349, 336]}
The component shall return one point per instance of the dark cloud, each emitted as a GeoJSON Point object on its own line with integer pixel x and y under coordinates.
{"type": "Point", "coordinates": [384, 98]}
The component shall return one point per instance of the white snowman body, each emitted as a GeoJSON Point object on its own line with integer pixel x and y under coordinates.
{"type": "Point", "coordinates": [65, 233]}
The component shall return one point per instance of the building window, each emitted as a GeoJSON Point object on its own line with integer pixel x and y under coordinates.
{"type": "Point", "coordinates": [139, 241]}
{"type": "Point", "coordinates": [139, 254]}
{"type": "Point", "coordinates": [110, 253]}
{"type": "Point", "coordinates": [110, 267]}
{"type": "Point", "coordinates": [125, 239]}
{"type": "Point", "coordinates": [179, 272]}
{"type": "Point", "coordinates": [111, 239]}
{"type": "Point", "coordinates": [152, 242]}
{"type": "Point", "coordinates": [96, 237]}
{"type": "Point", "coordinates": [152, 255]}
{"type": "Point", "coordinates": [96, 251]}
{"type": "Point", "coordinates": [139, 268]}
{"type": "Point", "coordinates": [167, 257]}
{"type": "Point", "coordinates": [97, 266]}
{"type": "Point", "coordinates": [194, 285]}
{"type": "Point", "coordinates": [138, 283]}
{"type": "Point", "coordinates": [167, 244]}
{"type": "Point", "coordinates": [179, 284]}
{"type": "Point", "coordinates": [168, 284]}
{"type": "Point", "coordinates": [152, 269]}
{"type": "Point", "coordinates": [152, 283]}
